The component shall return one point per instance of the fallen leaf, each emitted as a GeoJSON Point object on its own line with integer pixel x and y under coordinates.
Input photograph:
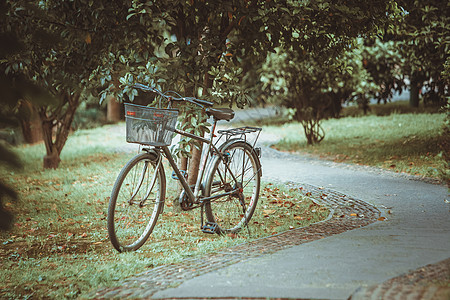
{"type": "Point", "coordinates": [288, 204]}
{"type": "Point", "coordinates": [381, 218]}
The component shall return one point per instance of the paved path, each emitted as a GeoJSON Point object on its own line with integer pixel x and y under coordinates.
{"type": "Point", "coordinates": [416, 232]}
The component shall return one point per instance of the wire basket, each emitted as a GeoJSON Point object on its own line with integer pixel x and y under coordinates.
{"type": "Point", "coordinates": [150, 126]}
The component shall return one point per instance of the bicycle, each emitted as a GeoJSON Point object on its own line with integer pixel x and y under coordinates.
{"type": "Point", "coordinates": [228, 183]}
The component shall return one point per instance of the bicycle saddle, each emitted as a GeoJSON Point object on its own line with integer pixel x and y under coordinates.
{"type": "Point", "coordinates": [220, 113]}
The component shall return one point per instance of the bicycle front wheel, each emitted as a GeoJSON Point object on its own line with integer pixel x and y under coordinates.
{"type": "Point", "coordinates": [136, 201]}
{"type": "Point", "coordinates": [239, 170]}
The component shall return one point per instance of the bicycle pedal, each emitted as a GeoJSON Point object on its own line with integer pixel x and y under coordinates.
{"type": "Point", "coordinates": [210, 228]}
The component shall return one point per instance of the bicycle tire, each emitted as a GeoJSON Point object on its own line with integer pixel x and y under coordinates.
{"type": "Point", "coordinates": [228, 211]}
{"type": "Point", "coordinates": [131, 219]}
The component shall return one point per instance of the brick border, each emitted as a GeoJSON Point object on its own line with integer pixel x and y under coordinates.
{"type": "Point", "coordinates": [422, 283]}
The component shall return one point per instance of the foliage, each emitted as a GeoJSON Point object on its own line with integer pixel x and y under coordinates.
{"type": "Point", "coordinates": [425, 45]}
{"type": "Point", "coordinates": [315, 82]}
{"type": "Point", "coordinates": [445, 144]}
{"type": "Point", "coordinates": [385, 64]}
{"type": "Point", "coordinates": [314, 90]}
{"type": "Point", "coordinates": [413, 44]}
{"type": "Point", "coordinates": [198, 47]}
{"type": "Point", "coordinates": [207, 43]}
{"type": "Point", "coordinates": [63, 41]}
{"type": "Point", "coordinates": [8, 159]}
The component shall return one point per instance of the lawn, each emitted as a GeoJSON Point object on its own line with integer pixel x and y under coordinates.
{"type": "Point", "coordinates": [59, 248]}
{"type": "Point", "coordinates": [407, 143]}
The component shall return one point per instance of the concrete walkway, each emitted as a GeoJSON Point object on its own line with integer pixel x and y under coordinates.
{"type": "Point", "coordinates": [416, 232]}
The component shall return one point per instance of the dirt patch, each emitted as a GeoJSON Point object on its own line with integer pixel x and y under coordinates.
{"type": "Point", "coordinates": [14, 250]}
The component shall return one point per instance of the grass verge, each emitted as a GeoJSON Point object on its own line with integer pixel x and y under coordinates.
{"type": "Point", "coordinates": [399, 142]}
{"type": "Point", "coordinates": [59, 248]}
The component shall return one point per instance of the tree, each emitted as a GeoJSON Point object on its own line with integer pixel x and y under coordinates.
{"type": "Point", "coordinates": [203, 45]}
{"type": "Point", "coordinates": [425, 45]}
{"type": "Point", "coordinates": [211, 40]}
{"type": "Point", "coordinates": [113, 110]}
{"type": "Point", "coordinates": [14, 88]}
{"type": "Point", "coordinates": [63, 43]}
{"type": "Point", "coordinates": [206, 43]}
{"type": "Point", "coordinates": [314, 90]}
{"type": "Point", "coordinates": [315, 79]}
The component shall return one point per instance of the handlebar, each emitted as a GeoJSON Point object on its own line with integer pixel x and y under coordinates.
{"type": "Point", "coordinates": [177, 96]}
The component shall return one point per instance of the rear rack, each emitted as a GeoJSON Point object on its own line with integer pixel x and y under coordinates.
{"type": "Point", "coordinates": [238, 131]}
{"type": "Point", "coordinates": [241, 132]}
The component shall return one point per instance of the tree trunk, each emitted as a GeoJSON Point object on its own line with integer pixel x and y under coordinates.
{"type": "Point", "coordinates": [51, 161]}
{"type": "Point", "coordinates": [313, 131]}
{"type": "Point", "coordinates": [414, 93]}
{"type": "Point", "coordinates": [58, 121]}
{"type": "Point", "coordinates": [194, 164]}
{"type": "Point", "coordinates": [30, 122]}
{"type": "Point", "coordinates": [113, 110]}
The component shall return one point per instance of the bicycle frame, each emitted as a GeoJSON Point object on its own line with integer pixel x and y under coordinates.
{"type": "Point", "coordinates": [194, 196]}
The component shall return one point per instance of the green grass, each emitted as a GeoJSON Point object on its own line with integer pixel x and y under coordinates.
{"type": "Point", "coordinates": [399, 142]}
{"type": "Point", "coordinates": [59, 247]}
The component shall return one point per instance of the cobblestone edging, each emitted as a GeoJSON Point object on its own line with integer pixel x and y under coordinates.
{"type": "Point", "coordinates": [425, 283]}
{"type": "Point", "coordinates": [347, 213]}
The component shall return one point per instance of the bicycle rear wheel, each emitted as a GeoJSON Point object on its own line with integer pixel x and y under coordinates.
{"type": "Point", "coordinates": [240, 169]}
{"type": "Point", "coordinates": [136, 201]}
